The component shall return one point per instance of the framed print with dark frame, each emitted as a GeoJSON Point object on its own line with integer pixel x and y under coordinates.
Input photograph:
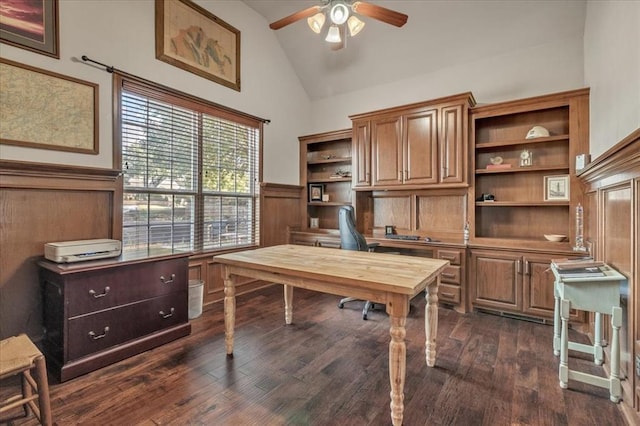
{"type": "Point", "coordinates": [192, 38]}
{"type": "Point", "coordinates": [556, 188]}
{"type": "Point", "coordinates": [31, 25]}
{"type": "Point", "coordinates": [316, 191]}
{"type": "Point", "coordinates": [42, 109]}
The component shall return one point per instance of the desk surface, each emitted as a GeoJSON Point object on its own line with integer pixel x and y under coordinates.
{"type": "Point", "coordinates": [386, 272]}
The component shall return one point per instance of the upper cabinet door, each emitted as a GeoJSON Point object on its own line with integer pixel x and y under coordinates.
{"type": "Point", "coordinates": [386, 149]}
{"type": "Point", "coordinates": [452, 154]}
{"type": "Point", "coordinates": [361, 157]}
{"type": "Point", "coordinates": [420, 142]}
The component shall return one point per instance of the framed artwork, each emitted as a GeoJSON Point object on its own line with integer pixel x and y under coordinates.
{"type": "Point", "coordinates": [31, 25]}
{"type": "Point", "coordinates": [556, 188]}
{"type": "Point", "coordinates": [315, 192]}
{"type": "Point", "coordinates": [42, 109]}
{"type": "Point", "coordinates": [192, 38]}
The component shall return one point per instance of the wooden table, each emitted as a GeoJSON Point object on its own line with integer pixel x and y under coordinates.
{"type": "Point", "coordinates": [387, 279]}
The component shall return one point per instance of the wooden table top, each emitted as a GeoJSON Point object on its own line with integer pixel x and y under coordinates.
{"type": "Point", "coordinates": [385, 272]}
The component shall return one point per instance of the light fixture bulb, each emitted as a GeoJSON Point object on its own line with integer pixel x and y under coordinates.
{"type": "Point", "coordinates": [316, 22]}
{"type": "Point", "coordinates": [333, 36]}
{"type": "Point", "coordinates": [355, 25]}
{"type": "Point", "coordinates": [339, 13]}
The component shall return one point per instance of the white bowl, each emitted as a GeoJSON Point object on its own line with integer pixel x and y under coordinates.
{"type": "Point", "coordinates": [556, 238]}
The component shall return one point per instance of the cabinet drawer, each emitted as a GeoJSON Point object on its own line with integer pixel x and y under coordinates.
{"type": "Point", "coordinates": [88, 334]}
{"type": "Point", "coordinates": [450, 275]}
{"type": "Point", "coordinates": [452, 256]}
{"type": "Point", "coordinates": [448, 294]}
{"type": "Point", "coordinates": [104, 289]}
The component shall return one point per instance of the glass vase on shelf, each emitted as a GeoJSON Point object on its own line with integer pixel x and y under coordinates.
{"type": "Point", "coordinates": [579, 229]}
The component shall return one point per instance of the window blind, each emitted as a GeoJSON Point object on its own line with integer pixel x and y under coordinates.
{"type": "Point", "coordinates": [190, 173]}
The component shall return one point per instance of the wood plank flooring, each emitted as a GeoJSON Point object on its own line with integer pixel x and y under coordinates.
{"type": "Point", "coordinates": [331, 368]}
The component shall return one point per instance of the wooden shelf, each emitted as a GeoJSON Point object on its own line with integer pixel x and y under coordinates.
{"type": "Point", "coordinates": [331, 160]}
{"type": "Point", "coordinates": [521, 203]}
{"type": "Point", "coordinates": [329, 203]}
{"type": "Point", "coordinates": [564, 168]}
{"type": "Point", "coordinates": [344, 179]}
{"type": "Point", "coordinates": [519, 142]}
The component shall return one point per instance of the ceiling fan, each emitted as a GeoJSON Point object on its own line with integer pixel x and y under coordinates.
{"type": "Point", "coordinates": [341, 14]}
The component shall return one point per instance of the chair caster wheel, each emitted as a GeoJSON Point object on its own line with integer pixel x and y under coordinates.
{"type": "Point", "coordinates": [364, 317]}
{"type": "Point", "coordinates": [340, 305]}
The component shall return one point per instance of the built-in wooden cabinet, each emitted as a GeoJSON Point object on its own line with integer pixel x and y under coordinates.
{"type": "Point", "coordinates": [417, 145]}
{"type": "Point", "coordinates": [532, 182]}
{"type": "Point", "coordinates": [325, 177]}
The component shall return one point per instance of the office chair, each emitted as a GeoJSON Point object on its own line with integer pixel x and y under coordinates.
{"type": "Point", "coordinates": [351, 239]}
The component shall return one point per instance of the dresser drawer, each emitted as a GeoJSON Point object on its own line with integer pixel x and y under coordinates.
{"type": "Point", "coordinates": [448, 294]}
{"type": "Point", "coordinates": [452, 256]}
{"type": "Point", "coordinates": [107, 288]}
{"type": "Point", "coordinates": [91, 333]}
{"type": "Point", "coordinates": [450, 275]}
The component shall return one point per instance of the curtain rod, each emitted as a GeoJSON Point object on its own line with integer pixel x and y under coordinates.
{"type": "Point", "coordinates": [111, 69]}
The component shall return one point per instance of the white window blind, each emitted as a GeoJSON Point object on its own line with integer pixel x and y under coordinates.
{"type": "Point", "coordinates": [190, 174]}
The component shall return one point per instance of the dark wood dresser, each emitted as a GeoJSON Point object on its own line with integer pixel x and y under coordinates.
{"type": "Point", "coordinates": [100, 312]}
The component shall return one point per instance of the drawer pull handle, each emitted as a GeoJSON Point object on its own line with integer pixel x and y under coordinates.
{"type": "Point", "coordinates": [446, 275]}
{"type": "Point", "coordinates": [98, 296]}
{"type": "Point", "coordinates": [449, 295]}
{"type": "Point", "coordinates": [166, 281]}
{"type": "Point", "coordinates": [445, 257]}
{"type": "Point", "coordinates": [95, 336]}
{"type": "Point", "coordinates": [169, 315]}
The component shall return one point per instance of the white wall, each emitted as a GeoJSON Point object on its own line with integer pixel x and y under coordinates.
{"type": "Point", "coordinates": [612, 70]}
{"type": "Point", "coordinates": [543, 69]}
{"type": "Point", "coordinates": [121, 33]}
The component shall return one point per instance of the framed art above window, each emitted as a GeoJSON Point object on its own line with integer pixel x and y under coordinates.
{"type": "Point", "coordinates": [31, 25]}
{"type": "Point", "coordinates": [192, 38]}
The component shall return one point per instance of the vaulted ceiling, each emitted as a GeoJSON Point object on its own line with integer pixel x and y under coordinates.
{"type": "Point", "coordinates": [439, 34]}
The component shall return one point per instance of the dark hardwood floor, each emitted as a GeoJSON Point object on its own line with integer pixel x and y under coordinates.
{"type": "Point", "coordinates": [331, 368]}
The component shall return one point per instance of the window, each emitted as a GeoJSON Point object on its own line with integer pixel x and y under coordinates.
{"type": "Point", "coordinates": [190, 171]}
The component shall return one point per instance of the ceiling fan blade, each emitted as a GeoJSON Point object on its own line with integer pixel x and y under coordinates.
{"type": "Point", "coordinates": [380, 13]}
{"type": "Point", "coordinates": [294, 17]}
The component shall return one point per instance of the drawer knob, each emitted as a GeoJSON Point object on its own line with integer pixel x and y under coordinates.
{"type": "Point", "coordinates": [95, 336]}
{"type": "Point", "coordinates": [169, 315]}
{"type": "Point", "coordinates": [99, 295]}
{"type": "Point", "coordinates": [166, 281]}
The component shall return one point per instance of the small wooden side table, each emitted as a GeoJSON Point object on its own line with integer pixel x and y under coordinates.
{"type": "Point", "coordinates": [600, 295]}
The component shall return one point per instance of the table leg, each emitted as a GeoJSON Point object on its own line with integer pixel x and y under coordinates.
{"type": "Point", "coordinates": [431, 322]}
{"type": "Point", "coordinates": [616, 322]}
{"type": "Point", "coordinates": [556, 320]}
{"type": "Point", "coordinates": [563, 371]}
{"type": "Point", "coordinates": [397, 367]}
{"type": "Point", "coordinates": [229, 310]}
{"type": "Point", "coordinates": [598, 357]}
{"type": "Point", "coordinates": [288, 304]}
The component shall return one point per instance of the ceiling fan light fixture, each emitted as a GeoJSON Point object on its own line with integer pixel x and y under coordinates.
{"type": "Point", "coordinates": [339, 13]}
{"type": "Point", "coordinates": [333, 36]}
{"type": "Point", "coordinates": [355, 25]}
{"type": "Point", "coordinates": [316, 22]}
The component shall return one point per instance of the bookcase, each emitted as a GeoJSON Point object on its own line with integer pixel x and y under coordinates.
{"type": "Point", "coordinates": [534, 187]}
{"type": "Point", "coordinates": [325, 178]}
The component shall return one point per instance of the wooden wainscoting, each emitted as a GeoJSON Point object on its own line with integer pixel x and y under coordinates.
{"type": "Point", "coordinates": [279, 209]}
{"type": "Point", "coordinates": [612, 185]}
{"type": "Point", "coordinates": [41, 203]}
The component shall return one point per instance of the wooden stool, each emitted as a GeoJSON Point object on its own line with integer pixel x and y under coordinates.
{"type": "Point", "coordinates": [18, 355]}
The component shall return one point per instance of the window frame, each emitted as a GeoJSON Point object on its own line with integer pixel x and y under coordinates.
{"type": "Point", "coordinates": [125, 82]}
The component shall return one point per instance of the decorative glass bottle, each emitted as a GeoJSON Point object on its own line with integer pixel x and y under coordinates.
{"type": "Point", "coordinates": [579, 229]}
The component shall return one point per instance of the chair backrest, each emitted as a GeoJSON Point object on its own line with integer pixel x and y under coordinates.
{"type": "Point", "coordinates": [350, 238]}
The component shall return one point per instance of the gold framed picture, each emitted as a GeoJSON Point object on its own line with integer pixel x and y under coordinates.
{"type": "Point", "coordinates": [556, 188]}
{"type": "Point", "coordinates": [192, 38]}
{"type": "Point", "coordinates": [42, 109]}
{"type": "Point", "coordinates": [31, 25]}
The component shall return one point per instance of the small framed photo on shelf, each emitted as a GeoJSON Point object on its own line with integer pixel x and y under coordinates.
{"type": "Point", "coordinates": [556, 188]}
{"type": "Point", "coordinates": [315, 192]}
{"type": "Point", "coordinates": [314, 222]}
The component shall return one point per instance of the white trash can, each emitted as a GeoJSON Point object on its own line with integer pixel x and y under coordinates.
{"type": "Point", "coordinates": [196, 290]}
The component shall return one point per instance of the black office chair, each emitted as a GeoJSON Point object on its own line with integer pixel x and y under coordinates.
{"type": "Point", "coordinates": [351, 239]}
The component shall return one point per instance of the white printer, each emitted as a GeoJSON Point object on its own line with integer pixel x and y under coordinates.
{"type": "Point", "coordinates": [76, 251]}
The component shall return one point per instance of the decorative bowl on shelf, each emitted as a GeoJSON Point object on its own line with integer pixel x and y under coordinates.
{"type": "Point", "coordinates": [556, 238]}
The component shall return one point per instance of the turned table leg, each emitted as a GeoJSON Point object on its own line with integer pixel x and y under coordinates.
{"type": "Point", "coordinates": [431, 322]}
{"type": "Point", "coordinates": [563, 370]}
{"type": "Point", "coordinates": [229, 310]}
{"type": "Point", "coordinates": [397, 367]}
{"type": "Point", "coordinates": [288, 304]}
{"type": "Point", "coordinates": [615, 389]}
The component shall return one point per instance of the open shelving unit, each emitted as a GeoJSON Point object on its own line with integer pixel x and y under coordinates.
{"type": "Point", "coordinates": [325, 162]}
